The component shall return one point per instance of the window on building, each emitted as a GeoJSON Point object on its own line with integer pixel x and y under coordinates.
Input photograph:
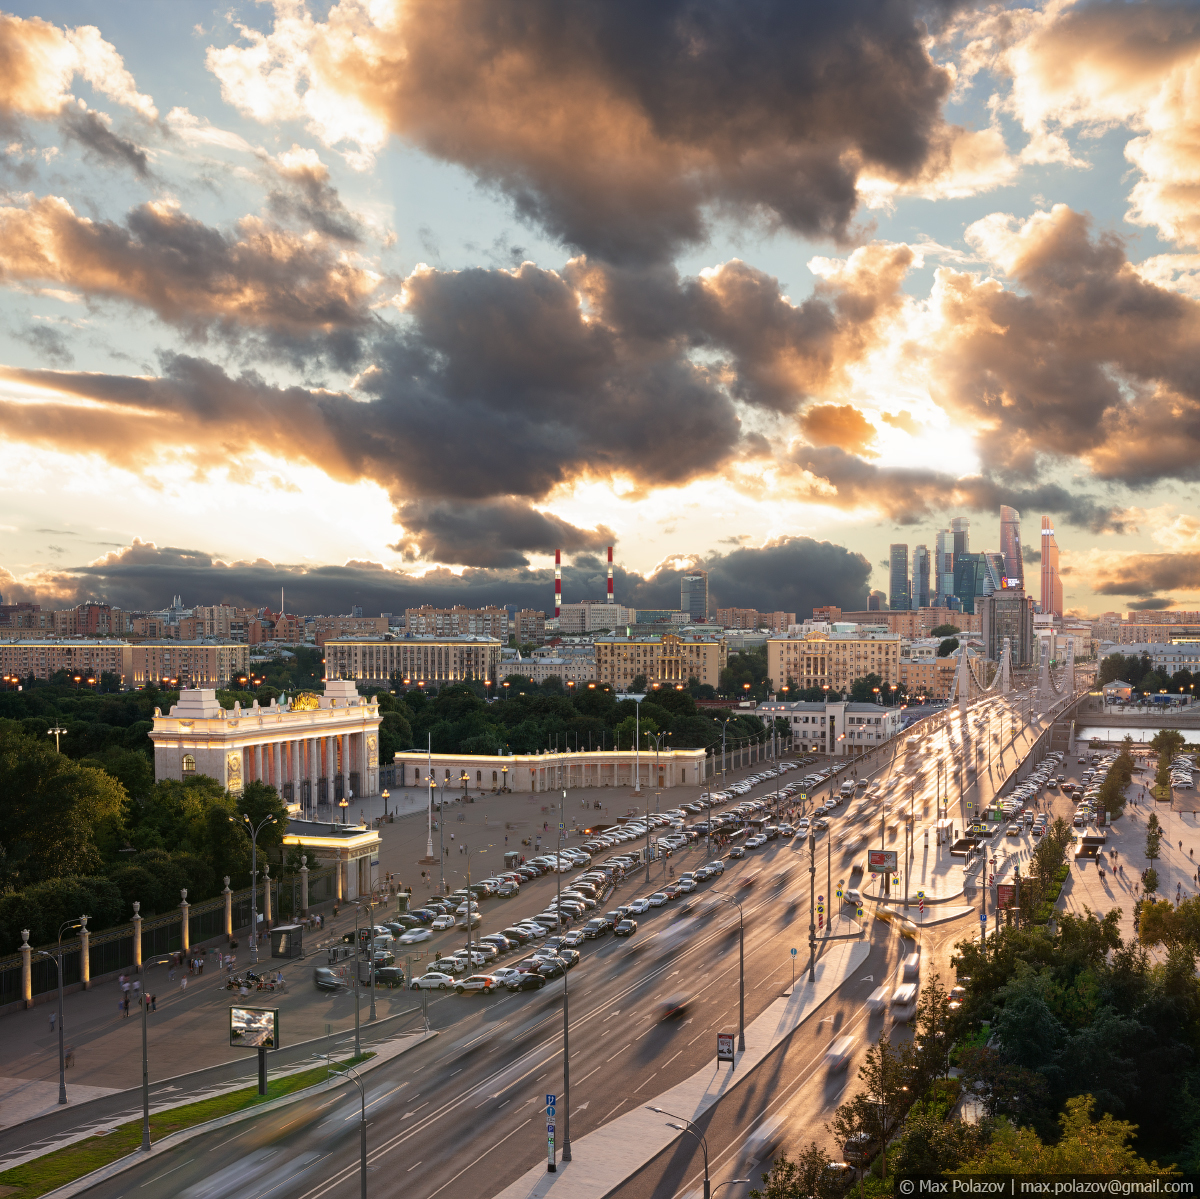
{"type": "Point", "coordinates": [189, 764]}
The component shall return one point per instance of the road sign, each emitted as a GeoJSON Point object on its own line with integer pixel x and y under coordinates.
{"type": "Point", "coordinates": [551, 1100]}
{"type": "Point", "coordinates": [983, 917]}
{"type": "Point", "coordinates": [882, 861]}
{"type": "Point", "coordinates": [839, 891]}
{"type": "Point", "coordinates": [725, 1047]}
{"type": "Point", "coordinates": [858, 913]}
{"type": "Point", "coordinates": [561, 827]}
{"type": "Point", "coordinates": [793, 951]}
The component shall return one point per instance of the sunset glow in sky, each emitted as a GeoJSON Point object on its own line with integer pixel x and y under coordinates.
{"type": "Point", "coordinates": [334, 295]}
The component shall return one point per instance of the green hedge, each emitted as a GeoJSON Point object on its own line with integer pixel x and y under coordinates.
{"type": "Point", "coordinates": [1045, 912]}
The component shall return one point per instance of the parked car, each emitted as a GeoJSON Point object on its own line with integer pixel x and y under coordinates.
{"type": "Point", "coordinates": [527, 982]}
{"type": "Point", "coordinates": [476, 982]}
{"type": "Point", "coordinates": [433, 981]}
{"type": "Point", "coordinates": [389, 976]}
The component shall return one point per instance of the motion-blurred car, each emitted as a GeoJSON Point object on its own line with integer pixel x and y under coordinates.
{"type": "Point", "coordinates": [325, 979]}
{"type": "Point", "coordinates": [415, 936]}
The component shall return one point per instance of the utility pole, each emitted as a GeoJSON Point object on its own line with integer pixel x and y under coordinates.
{"type": "Point", "coordinates": [812, 907]}
{"type": "Point", "coordinates": [566, 1149]}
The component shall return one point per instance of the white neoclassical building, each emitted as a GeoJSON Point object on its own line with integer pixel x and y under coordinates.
{"type": "Point", "coordinates": [552, 771]}
{"type": "Point", "coordinates": [314, 749]}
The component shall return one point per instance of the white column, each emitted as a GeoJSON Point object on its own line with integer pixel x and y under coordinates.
{"type": "Point", "coordinates": [256, 769]}
{"type": "Point", "coordinates": [313, 749]}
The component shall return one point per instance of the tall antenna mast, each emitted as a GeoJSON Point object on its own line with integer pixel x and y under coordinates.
{"type": "Point", "coordinates": [610, 579]}
{"type": "Point", "coordinates": [557, 582]}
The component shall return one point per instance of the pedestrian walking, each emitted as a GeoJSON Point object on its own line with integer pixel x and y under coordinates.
{"type": "Point", "coordinates": [154, 1003]}
{"type": "Point", "coordinates": [183, 983]}
{"type": "Point", "coordinates": [53, 1018]}
{"type": "Point", "coordinates": [171, 972]}
{"type": "Point", "coordinates": [125, 1006]}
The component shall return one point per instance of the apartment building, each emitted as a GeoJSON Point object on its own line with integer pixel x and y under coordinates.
{"type": "Point", "coordinates": [529, 626]}
{"type": "Point", "coordinates": [839, 728]}
{"type": "Point", "coordinates": [176, 662]}
{"type": "Point", "coordinates": [575, 669]}
{"type": "Point", "coordinates": [669, 658]}
{"type": "Point", "coordinates": [456, 622]}
{"type": "Point", "coordinates": [588, 616]}
{"type": "Point", "coordinates": [85, 659]}
{"type": "Point", "coordinates": [752, 618]}
{"type": "Point", "coordinates": [918, 623]}
{"type": "Point", "coordinates": [413, 660]}
{"type": "Point", "coordinates": [833, 659]}
{"type": "Point", "coordinates": [326, 627]}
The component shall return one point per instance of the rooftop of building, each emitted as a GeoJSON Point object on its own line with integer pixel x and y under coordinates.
{"type": "Point", "coordinates": [417, 638]}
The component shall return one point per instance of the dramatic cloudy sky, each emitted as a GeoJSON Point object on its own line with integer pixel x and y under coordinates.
{"type": "Point", "coordinates": [342, 295]}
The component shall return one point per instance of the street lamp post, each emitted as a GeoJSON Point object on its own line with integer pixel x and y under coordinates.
{"type": "Point", "coordinates": [692, 1129]}
{"type": "Point", "coordinates": [246, 823]}
{"type": "Point", "coordinates": [386, 796]}
{"type": "Point", "coordinates": [658, 740]}
{"type": "Point", "coordinates": [56, 957]}
{"type": "Point", "coordinates": [637, 751]}
{"type": "Point", "coordinates": [741, 968]}
{"type": "Point", "coordinates": [145, 1058]}
{"type": "Point", "coordinates": [56, 732]}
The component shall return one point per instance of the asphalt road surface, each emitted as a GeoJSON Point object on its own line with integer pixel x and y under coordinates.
{"type": "Point", "coordinates": [462, 1114]}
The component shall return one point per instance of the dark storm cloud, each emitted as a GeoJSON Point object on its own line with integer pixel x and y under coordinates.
{"type": "Point", "coordinates": [909, 495]}
{"type": "Point", "coordinates": [496, 535]}
{"type": "Point", "coordinates": [618, 125]}
{"type": "Point", "coordinates": [791, 575]}
{"type": "Point", "coordinates": [91, 131]}
{"type": "Point", "coordinates": [188, 273]}
{"type": "Point", "coordinates": [1084, 359]}
{"type": "Point", "coordinates": [1155, 604]}
{"type": "Point", "coordinates": [1145, 574]}
{"type": "Point", "coordinates": [501, 386]}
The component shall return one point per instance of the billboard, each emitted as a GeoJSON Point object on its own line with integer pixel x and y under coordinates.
{"type": "Point", "coordinates": [724, 1046]}
{"type": "Point", "coordinates": [882, 861]}
{"type": "Point", "coordinates": [254, 1027]}
{"type": "Point", "coordinates": [1006, 895]}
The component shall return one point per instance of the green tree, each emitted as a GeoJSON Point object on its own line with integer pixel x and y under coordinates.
{"type": "Point", "coordinates": [1153, 838]}
{"type": "Point", "coordinates": [55, 806]}
{"type": "Point", "coordinates": [930, 1144]}
{"type": "Point", "coordinates": [638, 684]}
{"type": "Point", "coordinates": [947, 647]}
{"type": "Point", "coordinates": [1085, 1146]}
{"type": "Point", "coordinates": [878, 1107]}
{"type": "Point", "coordinates": [806, 1176]}
{"type": "Point", "coordinates": [862, 690]}
{"type": "Point", "coordinates": [1150, 880]}
{"type": "Point", "coordinates": [945, 630]}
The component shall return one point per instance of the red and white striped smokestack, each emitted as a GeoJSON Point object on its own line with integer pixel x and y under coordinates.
{"type": "Point", "coordinates": [557, 582]}
{"type": "Point", "coordinates": [610, 590]}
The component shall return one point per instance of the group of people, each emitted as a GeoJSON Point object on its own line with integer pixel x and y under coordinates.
{"type": "Point", "coordinates": [131, 991]}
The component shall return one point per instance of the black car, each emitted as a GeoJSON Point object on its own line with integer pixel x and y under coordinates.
{"type": "Point", "coordinates": [625, 928]}
{"type": "Point", "coordinates": [549, 968]}
{"type": "Point", "coordinates": [596, 927]}
{"type": "Point", "coordinates": [527, 982]}
{"type": "Point", "coordinates": [519, 935]}
{"type": "Point", "coordinates": [325, 979]}
{"type": "Point", "coordinates": [389, 976]}
{"type": "Point", "coordinates": [569, 956]}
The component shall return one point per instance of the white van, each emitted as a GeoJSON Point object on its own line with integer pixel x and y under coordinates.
{"type": "Point", "coordinates": [904, 1003]}
{"type": "Point", "coordinates": [912, 967]}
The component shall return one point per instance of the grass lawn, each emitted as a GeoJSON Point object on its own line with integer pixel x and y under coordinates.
{"type": "Point", "coordinates": [73, 1161]}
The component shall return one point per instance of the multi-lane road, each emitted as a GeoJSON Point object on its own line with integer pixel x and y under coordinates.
{"type": "Point", "coordinates": [462, 1114]}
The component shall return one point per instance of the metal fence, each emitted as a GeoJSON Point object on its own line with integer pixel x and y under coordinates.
{"type": "Point", "coordinates": [112, 950]}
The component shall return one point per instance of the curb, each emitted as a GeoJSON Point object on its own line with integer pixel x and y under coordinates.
{"type": "Point", "coordinates": [85, 1181]}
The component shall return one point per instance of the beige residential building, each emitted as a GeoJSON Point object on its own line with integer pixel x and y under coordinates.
{"type": "Point", "coordinates": [413, 660]}
{"type": "Point", "coordinates": [216, 664]}
{"type": "Point", "coordinates": [916, 623]}
{"type": "Point", "coordinates": [832, 660]}
{"type": "Point", "coordinates": [83, 658]}
{"type": "Point", "coordinates": [752, 618]}
{"type": "Point", "coordinates": [670, 658]}
{"type": "Point", "coordinates": [456, 622]}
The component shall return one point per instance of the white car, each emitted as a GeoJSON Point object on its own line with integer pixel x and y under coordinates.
{"type": "Point", "coordinates": [441, 923]}
{"type": "Point", "coordinates": [461, 910]}
{"type": "Point", "coordinates": [717, 867]}
{"type": "Point", "coordinates": [475, 920]}
{"type": "Point", "coordinates": [505, 974]}
{"type": "Point", "coordinates": [433, 981]}
{"type": "Point", "coordinates": [536, 931]}
{"type": "Point", "coordinates": [476, 958]}
{"type": "Point", "coordinates": [641, 905]}
{"type": "Point", "coordinates": [447, 966]}
{"type": "Point", "coordinates": [687, 884]}
{"type": "Point", "coordinates": [657, 899]}
{"type": "Point", "coordinates": [414, 936]}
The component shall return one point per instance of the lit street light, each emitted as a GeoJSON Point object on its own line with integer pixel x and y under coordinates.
{"type": "Point", "coordinates": [253, 831]}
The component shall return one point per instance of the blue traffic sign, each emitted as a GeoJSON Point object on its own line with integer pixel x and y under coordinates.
{"type": "Point", "coordinates": [793, 952]}
{"type": "Point", "coordinates": [983, 917]}
{"type": "Point", "coordinates": [551, 1100]}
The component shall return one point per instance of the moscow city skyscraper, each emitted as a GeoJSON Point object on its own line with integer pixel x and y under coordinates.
{"type": "Point", "coordinates": [1052, 593]}
{"type": "Point", "coordinates": [898, 593]}
{"type": "Point", "coordinates": [1010, 546]}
